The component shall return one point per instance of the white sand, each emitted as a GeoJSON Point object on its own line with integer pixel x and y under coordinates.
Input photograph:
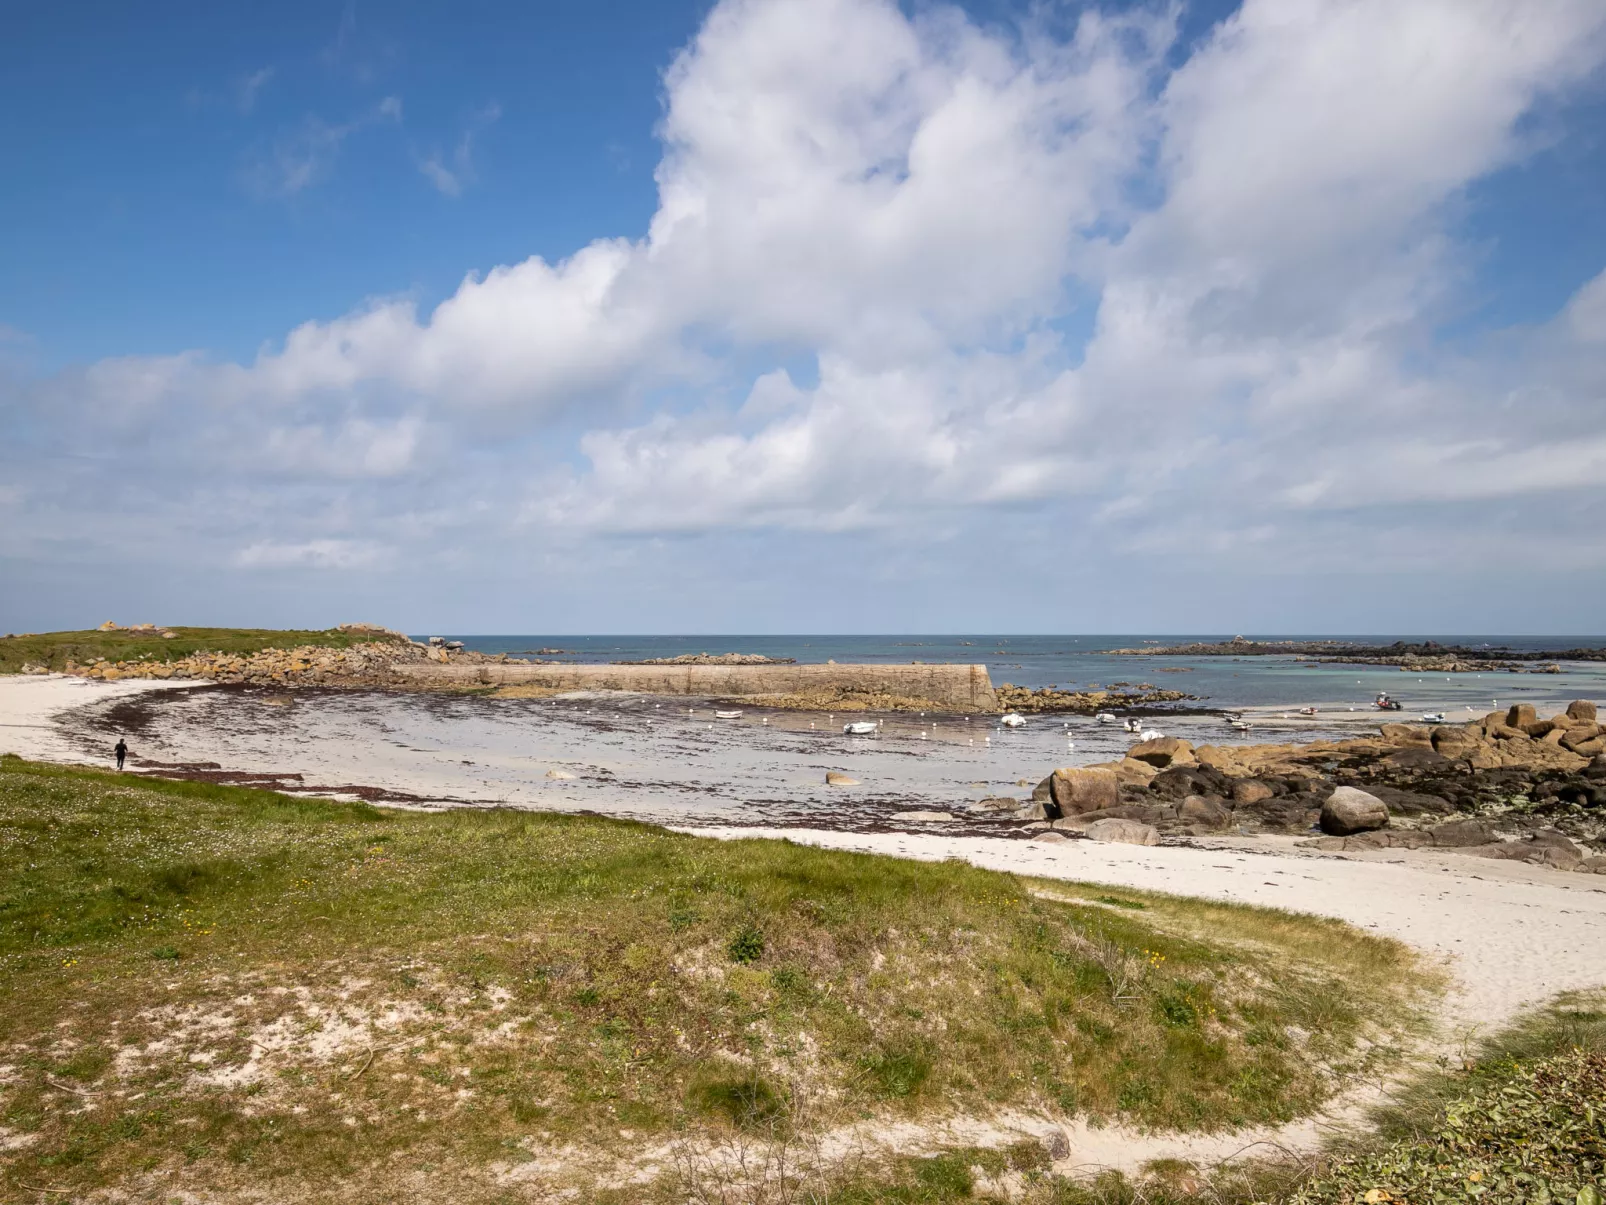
{"type": "Point", "coordinates": [29, 704]}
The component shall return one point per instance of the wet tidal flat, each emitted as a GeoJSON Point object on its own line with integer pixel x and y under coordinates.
{"type": "Point", "coordinates": [662, 760]}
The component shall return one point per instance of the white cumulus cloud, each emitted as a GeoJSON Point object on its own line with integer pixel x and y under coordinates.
{"type": "Point", "coordinates": [909, 272]}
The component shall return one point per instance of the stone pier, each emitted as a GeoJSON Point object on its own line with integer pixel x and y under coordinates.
{"type": "Point", "coordinates": [958, 688]}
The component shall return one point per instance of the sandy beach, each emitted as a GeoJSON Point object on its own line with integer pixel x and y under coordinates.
{"type": "Point", "coordinates": [1510, 935]}
{"type": "Point", "coordinates": [30, 706]}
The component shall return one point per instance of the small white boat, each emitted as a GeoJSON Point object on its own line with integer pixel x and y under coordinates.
{"type": "Point", "coordinates": [1105, 717]}
{"type": "Point", "coordinates": [727, 715]}
{"type": "Point", "coordinates": [1150, 734]}
{"type": "Point", "coordinates": [1433, 717]}
{"type": "Point", "coordinates": [859, 728]}
{"type": "Point", "coordinates": [1307, 711]}
{"type": "Point", "coordinates": [1239, 725]}
{"type": "Point", "coordinates": [1012, 720]}
{"type": "Point", "coordinates": [1133, 725]}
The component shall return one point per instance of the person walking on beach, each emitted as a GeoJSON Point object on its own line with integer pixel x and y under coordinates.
{"type": "Point", "coordinates": [121, 751]}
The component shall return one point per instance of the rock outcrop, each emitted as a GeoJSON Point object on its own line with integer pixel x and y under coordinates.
{"type": "Point", "coordinates": [1075, 791]}
{"type": "Point", "coordinates": [1491, 788]}
{"type": "Point", "coordinates": [1084, 702]}
{"type": "Point", "coordinates": [1126, 832]}
{"type": "Point", "coordinates": [371, 663]}
{"type": "Point", "coordinates": [1162, 751]}
{"type": "Point", "coordinates": [1350, 810]}
{"type": "Point", "coordinates": [1204, 810]}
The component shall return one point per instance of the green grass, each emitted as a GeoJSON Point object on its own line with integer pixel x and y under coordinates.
{"type": "Point", "coordinates": [318, 1000]}
{"type": "Point", "coordinates": [1523, 1122]}
{"type": "Point", "coordinates": [54, 649]}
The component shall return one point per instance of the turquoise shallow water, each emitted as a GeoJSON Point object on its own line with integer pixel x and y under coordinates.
{"type": "Point", "coordinates": [1084, 662]}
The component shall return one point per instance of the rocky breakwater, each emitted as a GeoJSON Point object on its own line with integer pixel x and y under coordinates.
{"type": "Point", "coordinates": [1512, 786]}
{"type": "Point", "coordinates": [371, 664]}
{"type": "Point", "coordinates": [1428, 656]}
{"type": "Point", "coordinates": [1120, 697]}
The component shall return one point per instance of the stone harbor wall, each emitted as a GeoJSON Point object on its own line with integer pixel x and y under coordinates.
{"type": "Point", "coordinates": [960, 688]}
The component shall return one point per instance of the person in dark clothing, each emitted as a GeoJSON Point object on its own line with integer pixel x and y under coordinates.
{"type": "Point", "coordinates": [121, 751]}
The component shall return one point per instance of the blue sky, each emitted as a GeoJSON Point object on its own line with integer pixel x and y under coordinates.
{"type": "Point", "coordinates": [805, 315]}
{"type": "Point", "coordinates": [147, 228]}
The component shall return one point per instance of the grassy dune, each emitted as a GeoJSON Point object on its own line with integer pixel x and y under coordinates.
{"type": "Point", "coordinates": [54, 649]}
{"type": "Point", "coordinates": [231, 991]}
{"type": "Point", "coordinates": [1524, 1121]}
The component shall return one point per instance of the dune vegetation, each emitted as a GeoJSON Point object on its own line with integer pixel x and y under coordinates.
{"type": "Point", "coordinates": [220, 989]}
{"type": "Point", "coordinates": [54, 650]}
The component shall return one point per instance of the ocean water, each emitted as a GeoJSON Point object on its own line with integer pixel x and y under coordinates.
{"type": "Point", "coordinates": [1083, 662]}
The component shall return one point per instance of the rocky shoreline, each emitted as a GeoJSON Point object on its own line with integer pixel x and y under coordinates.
{"type": "Point", "coordinates": [369, 665]}
{"type": "Point", "coordinates": [1512, 786]}
{"type": "Point", "coordinates": [1427, 656]}
{"type": "Point", "coordinates": [1085, 702]}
